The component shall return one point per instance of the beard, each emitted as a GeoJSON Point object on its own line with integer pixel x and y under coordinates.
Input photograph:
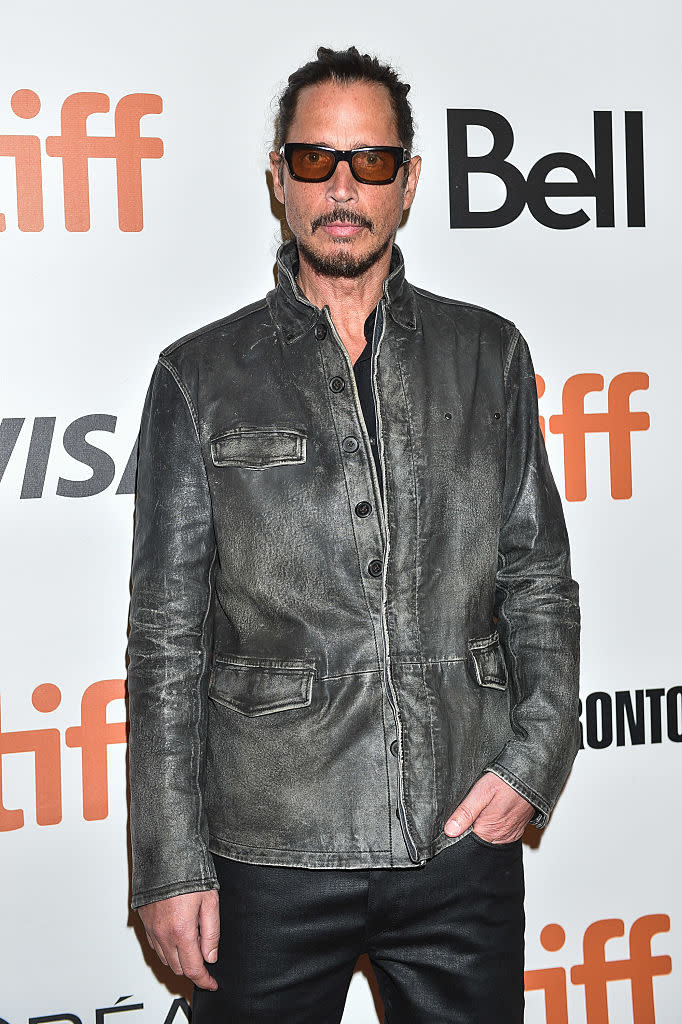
{"type": "Point", "coordinates": [342, 262]}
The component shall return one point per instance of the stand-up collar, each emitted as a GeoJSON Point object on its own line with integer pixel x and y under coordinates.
{"type": "Point", "coordinates": [296, 314]}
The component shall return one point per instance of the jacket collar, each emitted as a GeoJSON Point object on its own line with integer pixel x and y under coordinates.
{"type": "Point", "coordinates": [296, 315]}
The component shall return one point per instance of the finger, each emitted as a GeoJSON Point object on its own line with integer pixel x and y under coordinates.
{"type": "Point", "coordinates": [193, 966]}
{"type": "Point", "coordinates": [209, 927]}
{"type": "Point", "coordinates": [159, 952]}
{"type": "Point", "coordinates": [170, 952]}
{"type": "Point", "coordinates": [156, 947]}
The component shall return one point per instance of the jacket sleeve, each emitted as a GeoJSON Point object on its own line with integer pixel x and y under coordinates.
{"type": "Point", "coordinates": [538, 616]}
{"type": "Point", "coordinates": [169, 647]}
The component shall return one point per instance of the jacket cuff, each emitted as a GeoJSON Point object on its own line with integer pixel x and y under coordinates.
{"type": "Point", "coordinates": [165, 892]}
{"type": "Point", "coordinates": [542, 808]}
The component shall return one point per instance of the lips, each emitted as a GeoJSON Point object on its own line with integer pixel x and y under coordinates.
{"type": "Point", "coordinates": [341, 229]}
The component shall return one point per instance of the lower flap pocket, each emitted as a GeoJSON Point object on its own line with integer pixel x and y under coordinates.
{"type": "Point", "coordinates": [261, 686]}
{"type": "Point", "coordinates": [487, 660]}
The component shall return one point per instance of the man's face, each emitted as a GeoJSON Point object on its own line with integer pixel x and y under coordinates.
{"type": "Point", "coordinates": [342, 226]}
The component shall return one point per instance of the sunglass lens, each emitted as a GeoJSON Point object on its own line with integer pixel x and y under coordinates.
{"type": "Point", "coordinates": [374, 166]}
{"type": "Point", "coordinates": [311, 164]}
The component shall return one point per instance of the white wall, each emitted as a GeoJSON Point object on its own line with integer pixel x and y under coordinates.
{"type": "Point", "coordinates": [84, 314]}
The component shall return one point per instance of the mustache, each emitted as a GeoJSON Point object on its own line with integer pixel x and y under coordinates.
{"type": "Point", "coordinates": [342, 216]}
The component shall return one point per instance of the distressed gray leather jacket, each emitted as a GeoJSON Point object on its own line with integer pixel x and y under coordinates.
{"type": "Point", "coordinates": [317, 678]}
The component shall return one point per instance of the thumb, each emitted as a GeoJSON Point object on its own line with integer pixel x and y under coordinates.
{"type": "Point", "coordinates": [209, 926]}
{"type": "Point", "coordinates": [466, 813]}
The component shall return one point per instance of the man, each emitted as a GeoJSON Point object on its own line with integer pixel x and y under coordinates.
{"type": "Point", "coordinates": [354, 631]}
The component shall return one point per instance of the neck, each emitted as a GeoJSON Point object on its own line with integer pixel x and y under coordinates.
{"type": "Point", "coordinates": [350, 299]}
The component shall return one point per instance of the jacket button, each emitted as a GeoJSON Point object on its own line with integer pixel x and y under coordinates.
{"type": "Point", "coordinates": [375, 567]}
{"type": "Point", "coordinates": [362, 509]}
{"type": "Point", "coordinates": [350, 444]}
{"type": "Point", "coordinates": [337, 384]}
{"type": "Point", "coordinates": [394, 748]}
{"type": "Point", "coordinates": [320, 332]}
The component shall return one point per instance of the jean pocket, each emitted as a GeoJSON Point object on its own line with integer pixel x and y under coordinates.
{"type": "Point", "coordinates": [495, 846]}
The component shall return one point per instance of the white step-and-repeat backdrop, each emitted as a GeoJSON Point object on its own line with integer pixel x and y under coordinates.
{"type": "Point", "coordinates": [134, 207]}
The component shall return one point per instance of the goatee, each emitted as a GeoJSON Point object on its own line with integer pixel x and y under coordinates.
{"type": "Point", "coordinates": [342, 263]}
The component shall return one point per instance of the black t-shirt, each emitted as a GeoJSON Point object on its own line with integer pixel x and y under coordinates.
{"type": "Point", "coordinates": [363, 379]}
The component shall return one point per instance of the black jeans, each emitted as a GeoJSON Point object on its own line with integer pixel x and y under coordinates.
{"type": "Point", "coordinates": [446, 940]}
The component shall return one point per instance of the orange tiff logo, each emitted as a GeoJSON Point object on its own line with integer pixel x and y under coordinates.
{"type": "Point", "coordinates": [93, 735]}
{"type": "Point", "coordinates": [619, 421]}
{"type": "Point", "coordinates": [75, 148]}
{"type": "Point", "coordinates": [595, 972]}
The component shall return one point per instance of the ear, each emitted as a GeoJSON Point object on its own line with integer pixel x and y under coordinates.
{"type": "Point", "coordinates": [414, 170]}
{"type": "Point", "coordinates": [277, 170]}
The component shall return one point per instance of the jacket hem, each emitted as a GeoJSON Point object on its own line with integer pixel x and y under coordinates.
{"type": "Point", "coordinates": [324, 859]}
{"type": "Point", "coordinates": [299, 858]}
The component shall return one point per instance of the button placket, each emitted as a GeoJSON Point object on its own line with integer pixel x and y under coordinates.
{"type": "Point", "coordinates": [347, 414]}
{"type": "Point", "coordinates": [365, 539]}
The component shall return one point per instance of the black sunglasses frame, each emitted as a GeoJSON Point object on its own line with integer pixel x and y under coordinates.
{"type": "Point", "coordinates": [402, 156]}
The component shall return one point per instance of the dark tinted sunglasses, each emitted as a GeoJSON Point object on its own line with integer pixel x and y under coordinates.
{"type": "Point", "coordinates": [371, 165]}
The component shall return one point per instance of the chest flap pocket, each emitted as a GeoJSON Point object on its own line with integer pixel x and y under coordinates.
{"type": "Point", "coordinates": [251, 447]}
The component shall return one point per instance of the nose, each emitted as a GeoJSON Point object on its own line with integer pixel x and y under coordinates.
{"type": "Point", "coordinates": [342, 186]}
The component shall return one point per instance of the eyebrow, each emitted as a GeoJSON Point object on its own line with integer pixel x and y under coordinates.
{"type": "Point", "coordinates": [356, 145]}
